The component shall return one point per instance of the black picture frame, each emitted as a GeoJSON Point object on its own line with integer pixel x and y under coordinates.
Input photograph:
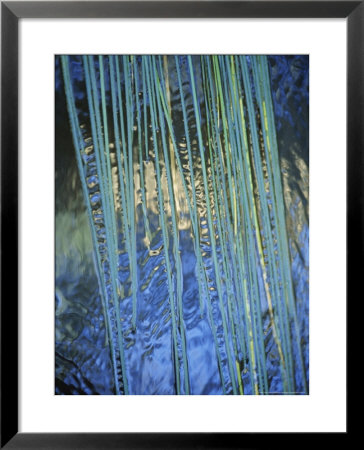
{"type": "Point", "coordinates": [11, 12]}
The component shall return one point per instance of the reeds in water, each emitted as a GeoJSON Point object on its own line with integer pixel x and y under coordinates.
{"type": "Point", "coordinates": [226, 173]}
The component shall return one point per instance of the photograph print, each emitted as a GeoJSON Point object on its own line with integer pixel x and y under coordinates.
{"type": "Point", "coordinates": [182, 224]}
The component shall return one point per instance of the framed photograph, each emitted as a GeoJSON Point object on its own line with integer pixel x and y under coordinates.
{"type": "Point", "coordinates": [180, 191]}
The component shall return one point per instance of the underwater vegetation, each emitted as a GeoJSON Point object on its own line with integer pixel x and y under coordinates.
{"type": "Point", "coordinates": [181, 241]}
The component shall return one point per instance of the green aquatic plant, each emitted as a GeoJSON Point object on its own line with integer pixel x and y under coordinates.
{"type": "Point", "coordinates": [229, 181]}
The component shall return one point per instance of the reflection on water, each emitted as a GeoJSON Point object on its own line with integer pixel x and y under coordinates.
{"type": "Point", "coordinates": [181, 233]}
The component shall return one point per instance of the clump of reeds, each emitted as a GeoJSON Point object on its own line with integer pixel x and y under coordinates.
{"type": "Point", "coordinates": [231, 121]}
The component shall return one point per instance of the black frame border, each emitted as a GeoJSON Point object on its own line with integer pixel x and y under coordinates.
{"type": "Point", "coordinates": [11, 12]}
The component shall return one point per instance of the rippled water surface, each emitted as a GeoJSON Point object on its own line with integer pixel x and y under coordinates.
{"type": "Point", "coordinates": [181, 227]}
